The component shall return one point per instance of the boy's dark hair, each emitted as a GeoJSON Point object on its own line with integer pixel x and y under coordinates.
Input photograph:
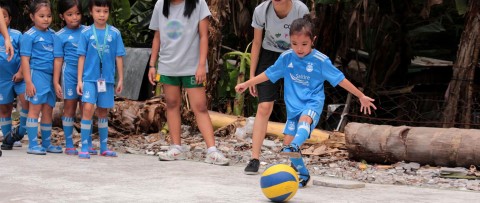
{"type": "Point", "coordinates": [190, 5]}
{"type": "Point", "coordinates": [100, 3]}
{"type": "Point", "coordinates": [64, 5]}
{"type": "Point", "coordinates": [302, 26]}
{"type": "Point", "coordinates": [6, 7]}
{"type": "Point", "coordinates": [35, 5]}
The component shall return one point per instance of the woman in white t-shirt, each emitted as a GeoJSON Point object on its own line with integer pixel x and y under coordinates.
{"type": "Point", "coordinates": [272, 17]}
{"type": "Point", "coordinates": [181, 42]}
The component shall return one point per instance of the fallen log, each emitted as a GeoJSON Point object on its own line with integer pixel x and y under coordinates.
{"type": "Point", "coordinates": [433, 146]}
{"type": "Point", "coordinates": [274, 128]}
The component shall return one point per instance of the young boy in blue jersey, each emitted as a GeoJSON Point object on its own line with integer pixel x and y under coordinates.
{"type": "Point", "coordinates": [304, 71]}
{"type": "Point", "coordinates": [11, 86]}
{"type": "Point", "coordinates": [37, 52]}
{"type": "Point", "coordinates": [100, 49]}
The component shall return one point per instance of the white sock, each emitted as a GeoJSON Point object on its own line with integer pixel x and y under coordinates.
{"type": "Point", "coordinates": [211, 149]}
{"type": "Point", "coordinates": [177, 147]}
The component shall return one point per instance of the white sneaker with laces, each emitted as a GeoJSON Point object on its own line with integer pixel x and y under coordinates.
{"type": "Point", "coordinates": [217, 158]}
{"type": "Point", "coordinates": [172, 154]}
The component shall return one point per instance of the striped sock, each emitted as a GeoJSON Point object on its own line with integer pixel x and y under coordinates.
{"type": "Point", "coordinates": [46, 131]}
{"type": "Point", "coordinates": [299, 165]}
{"type": "Point", "coordinates": [68, 130]}
{"type": "Point", "coordinates": [103, 133]}
{"type": "Point", "coordinates": [32, 131]}
{"type": "Point", "coordinates": [23, 120]}
{"type": "Point", "coordinates": [86, 128]}
{"type": "Point", "coordinates": [90, 145]}
{"type": "Point", "coordinates": [6, 125]}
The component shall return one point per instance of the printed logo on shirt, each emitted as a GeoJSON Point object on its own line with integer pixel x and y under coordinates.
{"type": "Point", "coordinates": [70, 37]}
{"type": "Point", "coordinates": [291, 125]}
{"type": "Point", "coordinates": [35, 98]}
{"type": "Point", "coordinates": [109, 38]}
{"type": "Point", "coordinates": [300, 79]}
{"type": "Point", "coordinates": [174, 29]}
{"type": "Point", "coordinates": [87, 94]}
{"type": "Point", "coordinates": [105, 48]}
{"type": "Point", "coordinates": [47, 47]}
{"type": "Point", "coordinates": [41, 39]}
{"type": "Point", "coordinates": [70, 92]}
{"type": "Point", "coordinates": [290, 65]}
{"type": "Point", "coordinates": [92, 37]}
{"type": "Point", "coordinates": [309, 67]}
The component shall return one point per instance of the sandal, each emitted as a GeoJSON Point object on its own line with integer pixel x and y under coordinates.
{"type": "Point", "coordinates": [54, 149]}
{"type": "Point", "coordinates": [83, 155]}
{"type": "Point", "coordinates": [92, 151]}
{"type": "Point", "coordinates": [37, 150]}
{"type": "Point", "coordinates": [108, 153]}
{"type": "Point", "coordinates": [71, 151]}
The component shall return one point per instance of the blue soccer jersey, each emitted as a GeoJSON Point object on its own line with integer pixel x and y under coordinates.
{"type": "Point", "coordinates": [39, 46]}
{"type": "Point", "coordinates": [69, 43]}
{"type": "Point", "coordinates": [87, 46]}
{"type": "Point", "coordinates": [9, 68]}
{"type": "Point", "coordinates": [303, 80]}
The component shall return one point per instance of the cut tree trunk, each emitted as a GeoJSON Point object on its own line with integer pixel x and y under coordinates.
{"type": "Point", "coordinates": [459, 97]}
{"type": "Point", "coordinates": [434, 146]}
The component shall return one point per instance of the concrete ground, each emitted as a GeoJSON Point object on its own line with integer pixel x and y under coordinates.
{"type": "Point", "coordinates": [141, 178]}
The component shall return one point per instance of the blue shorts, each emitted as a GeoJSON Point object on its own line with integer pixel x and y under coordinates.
{"type": "Point", "coordinates": [291, 124]}
{"type": "Point", "coordinates": [9, 90]}
{"type": "Point", "coordinates": [43, 83]}
{"type": "Point", "coordinates": [101, 99]}
{"type": "Point", "coordinates": [69, 83]}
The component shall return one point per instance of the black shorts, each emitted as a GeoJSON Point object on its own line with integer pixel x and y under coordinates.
{"type": "Point", "coordinates": [267, 91]}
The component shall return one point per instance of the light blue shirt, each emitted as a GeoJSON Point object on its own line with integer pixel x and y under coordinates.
{"type": "Point", "coordinates": [69, 40]}
{"type": "Point", "coordinates": [87, 46]}
{"type": "Point", "coordinates": [9, 68]}
{"type": "Point", "coordinates": [303, 80]}
{"type": "Point", "coordinates": [39, 46]}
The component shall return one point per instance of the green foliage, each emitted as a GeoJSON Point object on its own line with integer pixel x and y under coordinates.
{"type": "Point", "coordinates": [462, 6]}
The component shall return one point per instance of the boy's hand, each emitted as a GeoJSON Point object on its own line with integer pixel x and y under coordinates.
{"type": "Point", "coordinates": [119, 88]}
{"type": "Point", "coordinates": [366, 103]}
{"type": "Point", "coordinates": [18, 77]}
{"type": "Point", "coordinates": [151, 75]}
{"type": "Point", "coordinates": [200, 74]}
{"type": "Point", "coordinates": [30, 89]}
{"type": "Point", "coordinates": [241, 87]}
{"type": "Point", "coordinates": [253, 89]}
{"type": "Point", "coordinates": [9, 50]}
{"type": "Point", "coordinates": [80, 88]}
{"type": "Point", "coordinates": [58, 90]}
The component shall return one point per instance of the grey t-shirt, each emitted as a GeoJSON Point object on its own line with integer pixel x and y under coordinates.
{"type": "Point", "coordinates": [179, 39]}
{"type": "Point", "coordinates": [277, 30]}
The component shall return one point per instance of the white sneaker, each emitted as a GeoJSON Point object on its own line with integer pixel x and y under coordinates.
{"type": "Point", "coordinates": [217, 158]}
{"type": "Point", "coordinates": [172, 154]}
{"type": "Point", "coordinates": [17, 144]}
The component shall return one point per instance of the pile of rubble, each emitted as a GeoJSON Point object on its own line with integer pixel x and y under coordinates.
{"type": "Point", "coordinates": [320, 160]}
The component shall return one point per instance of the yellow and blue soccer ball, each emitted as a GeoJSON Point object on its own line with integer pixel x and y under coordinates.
{"type": "Point", "coordinates": [279, 182]}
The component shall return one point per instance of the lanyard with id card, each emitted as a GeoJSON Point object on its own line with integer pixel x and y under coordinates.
{"type": "Point", "coordinates": [101, 84]}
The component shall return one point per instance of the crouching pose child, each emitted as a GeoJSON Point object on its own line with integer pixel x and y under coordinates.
{"type": "Point", "coordinates": [100, 49]}
{"type": "Point", "coordinates": [304, 71]}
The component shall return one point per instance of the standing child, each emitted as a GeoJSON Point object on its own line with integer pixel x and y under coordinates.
{"type": "Point", "coordinates": [304, 71]}
{"type": "Point", "coordinates": [11, 86]}
{"type": "Point", "coordinates": [37, 51]}
{"type": "Point", "coordinates": [66, 68]}
{"type": "Point", "coordinates": [272, 18]}
{"type": "Point", "coordinates": [181, 35]}
{"type": "Point", "coordinates": [100, 49]}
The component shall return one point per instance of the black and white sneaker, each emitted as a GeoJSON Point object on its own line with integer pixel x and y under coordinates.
{"type": "Point", "coordinates": [303, 180]}
{"type": "Point", "coordinates": [252, 167]}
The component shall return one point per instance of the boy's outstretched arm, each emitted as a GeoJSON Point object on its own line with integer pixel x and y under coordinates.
{"type": "Point", "coordinates": [365, 101]}
{"type": "Point", "coordinates": [256, 80]}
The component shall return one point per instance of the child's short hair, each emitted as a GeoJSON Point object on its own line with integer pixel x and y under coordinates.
{"type": "Point", "coordinates": [100, 3]}
{"type": "Point", "coordinates": [35, 5]}
{"type": "Point", "coordinates": [6, 7]}
{"type": "Point", "coordinates": [302, 26]}
{"type": "Point", "coordinates": [64, 5]}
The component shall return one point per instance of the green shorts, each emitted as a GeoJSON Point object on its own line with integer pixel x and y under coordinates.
{"type": "Point", "coordinates": [183, 81]}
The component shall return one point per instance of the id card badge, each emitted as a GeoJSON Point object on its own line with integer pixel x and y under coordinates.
{"type": "Point", "coordinates": [101, 85]}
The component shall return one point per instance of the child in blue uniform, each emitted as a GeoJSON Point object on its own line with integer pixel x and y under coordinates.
{"type": "Point", "coordinates": [66, 65]}
{"type": "Point", "coordinates": [37, 52]}
{"type": "Point", "coordinates": [100, 49]}
{"type": "Point", "coordinates": [304, 71]}
{"type": "Point", "coordinates": [11, 86]}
